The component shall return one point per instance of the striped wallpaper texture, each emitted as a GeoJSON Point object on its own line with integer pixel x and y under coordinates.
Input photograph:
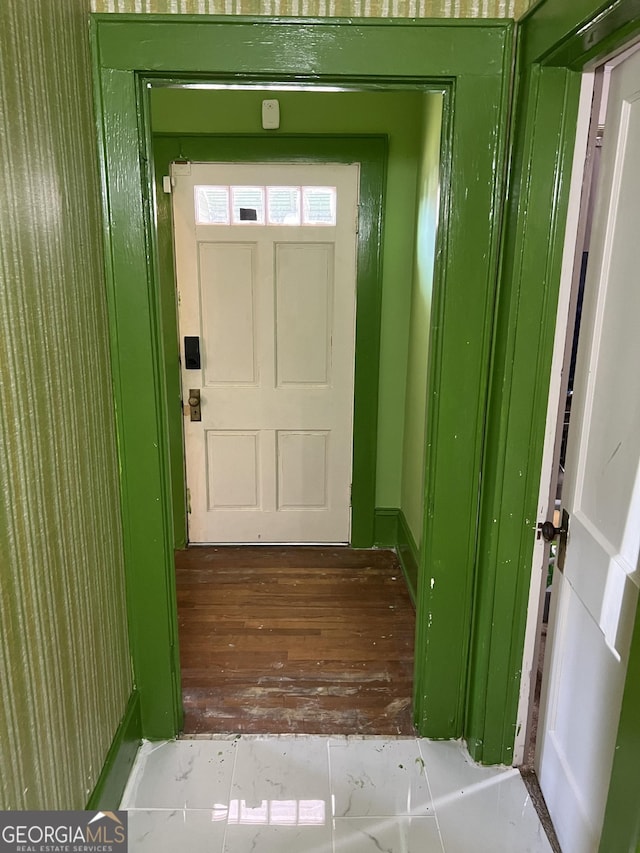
{"type": "Point", "coordinates": [323, 8]}
{"type": "Point", "coordinates": [64, 661]}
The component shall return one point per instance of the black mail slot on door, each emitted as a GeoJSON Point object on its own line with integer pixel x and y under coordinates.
{"type": "Point", "coordinates": [191, 353]}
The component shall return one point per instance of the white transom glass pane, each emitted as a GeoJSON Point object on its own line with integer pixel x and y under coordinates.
{"type": "Point", "coordinates": [319, 205]}
{"type": "Point", "coordinates": [248, 205]}
{"type": "Point", "coordinates": [212, 205]}
{"type": "Point", "coordinates": [283, 205]}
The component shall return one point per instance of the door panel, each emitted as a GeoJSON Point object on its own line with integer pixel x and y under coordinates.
{"type": "Point", "coordinates": [228, 294]}
{"type": "Point", "coordinates": [304, 313]}
{"type": "Point", "coordinates": [596, 597]}
{"type": "Point", "coordinates": [273, 302]}
{"type": "Point", "coordinates": [233, 466]}
{"type": "Point", "coordinates": [303, 467]}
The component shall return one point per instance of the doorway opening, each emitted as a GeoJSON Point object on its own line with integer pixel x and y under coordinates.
{"type": "Point", "coordinates": [394, 138]}
{"type": "Point", "coordinates": [469, 69]}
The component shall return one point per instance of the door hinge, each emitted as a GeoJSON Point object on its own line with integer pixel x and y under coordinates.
{"type": "Point", "coordinates": [168, 183]}
{"type": "Point", "coordinates": [188, 501]}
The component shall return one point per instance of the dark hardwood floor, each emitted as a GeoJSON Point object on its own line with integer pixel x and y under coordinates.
{"type": "Point", "coordinates": [315, 640]}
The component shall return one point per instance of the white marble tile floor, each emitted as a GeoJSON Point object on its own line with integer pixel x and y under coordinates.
{"type": "Point", "coordinates": [316, 794]}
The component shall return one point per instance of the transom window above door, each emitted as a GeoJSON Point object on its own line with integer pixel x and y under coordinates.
{"type": "Point", "coordinates": [265, 205]}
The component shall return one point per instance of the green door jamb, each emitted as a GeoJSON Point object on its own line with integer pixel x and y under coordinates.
{"type": "Point", "coordinates": [621, 829]}
{"type": "Point", "coordinates": [517, 413]}
{"type": "Point", "coordinates": [471, 62]}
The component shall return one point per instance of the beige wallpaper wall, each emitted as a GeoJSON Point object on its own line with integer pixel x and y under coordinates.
{"type": "Point", "coordinates": [322, 8]}
{"type": "Point", "coordinates": [64, 659]}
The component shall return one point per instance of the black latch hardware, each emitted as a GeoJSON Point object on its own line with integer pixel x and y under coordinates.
{"type": "Point", "coordinates": [191, 353]}
{"type": "Point", "coordinates": [549, 532]}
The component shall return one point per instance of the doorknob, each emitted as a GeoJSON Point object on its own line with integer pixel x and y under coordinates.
{"type": "Point", "coordinates": [194, 404]}
{"type": "Point", "coordinates": [549, 532]}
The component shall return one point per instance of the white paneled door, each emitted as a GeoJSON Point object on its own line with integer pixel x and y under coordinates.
{"type": "Point", "coordinates": [596, 596]}
{"type": "Point", "coordinates": [266, 276]}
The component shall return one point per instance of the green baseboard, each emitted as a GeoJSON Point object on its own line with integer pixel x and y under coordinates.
{"type": "Point", "coordinates": [117, 766]}
{"type": "Point", "coordinates": [409, 555]}
{"type": "Point", "coordinates": [385, 527]}
{"type": "Point", "coordinates": [392, 531]}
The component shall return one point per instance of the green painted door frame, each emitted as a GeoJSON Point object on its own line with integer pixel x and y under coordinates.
{"type": "Point", "coordinates": [621, 831]}
{"type": "Point", "coordinates": [371, 153]}
{"type": "Point", "coordinates": [470, 61]}
{"type": "Point", "coordinates": [557, 41]}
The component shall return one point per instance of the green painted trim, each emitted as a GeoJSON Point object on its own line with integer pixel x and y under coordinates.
{"type": "Point", "coordinates": [409, 555]}
{"type": "Point", "coordinates": [386, 527]}
{"type": "Point", "coordinates": [392, 531]}
{"type": "Point", "coordinates": [472, 65]}
{"type": "Point", "coordinates": [119, 761]}
{"type": "Point", "coordinates": [174, 715]}
{"type": "Point", "coordinates": [340, 21]}
{"type": "Point", "coordinates": [139, 403]}
{"type": "Point", "coordinates": [575, 34]}
{"type": "Point", "coordinates": [164, 280]}
{"type": "Point", "coordinates": [622, 816]}
{"type": "Point", "coordinates": [141, 42]}
{"type": "Point", "coordinates": [371, 152]}
{"type": "Point", "coordinates": [456, 424]}
{"type": "Point", "coordinates": [517, 412]}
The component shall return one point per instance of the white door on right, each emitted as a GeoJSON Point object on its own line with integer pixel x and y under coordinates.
{"type": "Point", "coordinates": [595, 598]}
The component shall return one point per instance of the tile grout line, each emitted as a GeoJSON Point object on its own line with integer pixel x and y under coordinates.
{"type": "Point", "coordinates": [433, 801]}
{"type": "Point", "coordinates": [236, 750]}
{"type": "Point", "coordinates": [331, 796]}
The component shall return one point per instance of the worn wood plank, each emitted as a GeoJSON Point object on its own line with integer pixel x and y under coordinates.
{"type": "Point", "coordinates": [297, 639]}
